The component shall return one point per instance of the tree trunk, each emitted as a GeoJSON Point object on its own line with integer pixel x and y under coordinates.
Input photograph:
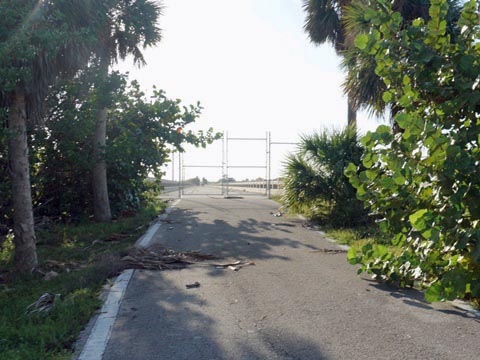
{"type": "Point", "coordinates": [352, 114]}
{"type": "Point", "coordinates": [25, 255]}
{"type": "Point", "coordinates": [101, 203]}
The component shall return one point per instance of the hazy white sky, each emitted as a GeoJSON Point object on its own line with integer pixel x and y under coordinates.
{"type": "Point", "coordinates": [253, 69]}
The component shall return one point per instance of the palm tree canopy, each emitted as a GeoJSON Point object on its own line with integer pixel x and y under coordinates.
{"type": "Point", "coordinates": [324, 22]}
{"type": "Point", "coordinates": [42, 41]}
{"type": "Point", "coordinates": [130, 26]}
{"type": "Point", "coordinates": [314, 175]}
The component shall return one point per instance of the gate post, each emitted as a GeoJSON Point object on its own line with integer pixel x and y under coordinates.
{"type": "Point", "coordinates": [269, 165]}
{"type": "Point", "coordinates": [180, 175]}
{"type": "Point", "coordinates": [222, 181]}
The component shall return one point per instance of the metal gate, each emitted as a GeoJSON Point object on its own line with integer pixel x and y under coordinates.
{"type": "Point", "coordinates": [226, 188]}
{"type": "Point", "coordinates": [229, 187]}
{"type": "Point", "coordinates": [183, 166]}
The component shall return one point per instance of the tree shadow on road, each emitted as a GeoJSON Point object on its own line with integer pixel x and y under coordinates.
{"type": "Point", "coordinates": [160, 320]}
{"type": "Point", "coordinates": [416, 298]}
{"type": "Point", "coordinates": [247, 238]}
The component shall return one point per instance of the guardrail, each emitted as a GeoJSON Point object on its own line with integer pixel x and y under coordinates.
{"type": "Point", "coordinates": [274, 184]}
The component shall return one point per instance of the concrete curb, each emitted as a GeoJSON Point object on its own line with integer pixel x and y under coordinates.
{"type": "Point", "coordinates": [99, 336]}
{"type": "Point", "coordinates": [98, 339]}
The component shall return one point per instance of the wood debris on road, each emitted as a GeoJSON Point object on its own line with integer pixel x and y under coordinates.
{"type": "Point", "coordinates": [329, 251]}
{"type": "Point", "coordinates": [158, 257]}
{"type": "Point", "coordinates": [196, 284]}
{"type": "Point", "coordinates": [235, 266]}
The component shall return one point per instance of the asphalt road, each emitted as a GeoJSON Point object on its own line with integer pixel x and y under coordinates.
{"type": "Point", "coordinates": [295, 303]}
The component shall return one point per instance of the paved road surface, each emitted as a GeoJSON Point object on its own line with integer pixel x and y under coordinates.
{"type": "Point", "coordinates": [294, 304]}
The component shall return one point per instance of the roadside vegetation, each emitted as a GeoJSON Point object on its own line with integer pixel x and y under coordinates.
{"type": "Point", "coordinates": [315, 182]}
{"type": "Point", "coordinates": [316, 187]}
{"type": "Point", "coordinates": [423, 181]}
{"type": "Point", "coordinates": [75, 262]}
{"type": "Point", "coordinates": [418, 178]}
{"type": "Point", "coordinates": [81, 148]}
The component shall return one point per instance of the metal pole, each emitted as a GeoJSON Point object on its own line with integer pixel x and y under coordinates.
{"type": "Point", "coordinates": [180, 175]}
{"type": "Point", "coordinates": [269, 194]}
{"type": "Point", "coordinates": [266, 164]}
{"type": "Point", "coordinates": [173, 166]}
{"type": "Point", "coordinates": [222, 184]}
{"type": "Point", "coordinates": [226, 162]}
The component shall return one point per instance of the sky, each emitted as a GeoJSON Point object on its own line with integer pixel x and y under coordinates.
{"type": "Point", "coordinates": [253, 69]}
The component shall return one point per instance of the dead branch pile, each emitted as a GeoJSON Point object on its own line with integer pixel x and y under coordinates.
{"type": "Point", "coordinates": [329, 251]}
{"type": "Point", "coordinates": [160, 258]}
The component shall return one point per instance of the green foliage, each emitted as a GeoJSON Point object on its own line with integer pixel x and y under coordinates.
{"type": "Point", "coordinates": [424, 182]}
{"type": "Point", "coordinates": [40, 42]}
{"type": "Point", "coordinates": [140, 129]}
{"type": "Point", "coordinates": [314, 177]}
{"type": "Point", "coordinates": [363, 85]}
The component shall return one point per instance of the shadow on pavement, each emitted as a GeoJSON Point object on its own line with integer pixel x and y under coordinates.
{"type": "Point", "coordinates": [415, 298]}
{"type": "Point", "coordinates": [159, 320]}
{"type": "Point", "coordinates": [249, 238]}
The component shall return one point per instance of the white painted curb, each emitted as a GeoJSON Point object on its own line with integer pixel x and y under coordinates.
{"type": "Point", "coordinates": [146, 239]}
{"type": "Point", "coordinates": [340, 246]}
{"type": "Point", "coordinates": [100, 335]}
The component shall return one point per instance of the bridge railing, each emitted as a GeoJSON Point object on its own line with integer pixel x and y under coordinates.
{"type": "Point", "coordinates": [276, 184]}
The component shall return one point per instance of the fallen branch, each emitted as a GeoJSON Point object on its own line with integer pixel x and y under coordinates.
{"type": "Point", "coordinates": [329, 251]}
{"type": "Point", "coordinates": [160, 258]}
{"type": "Point", "coordinates": [237, 265]}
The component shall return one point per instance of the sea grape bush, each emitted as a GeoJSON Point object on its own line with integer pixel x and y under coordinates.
{"type": "Point", "coordinates": [423, 181]}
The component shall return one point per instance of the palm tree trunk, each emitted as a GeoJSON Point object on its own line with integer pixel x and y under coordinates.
{"type": "Point", "coordinates": [25, 255]}
{"type": "Point", "coordinates": [352, 114]}
{"type": "Point", "coordinates": [101, 203]}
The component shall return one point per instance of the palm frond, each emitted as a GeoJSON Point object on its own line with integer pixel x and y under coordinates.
{"type": "Point", "coordinates": [323, 22]}
{"type": "Point", "coordinates": [314, 175]}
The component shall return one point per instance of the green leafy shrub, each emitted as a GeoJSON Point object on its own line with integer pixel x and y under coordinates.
{"type": "Point", "coordinates": [314, 177]}
{"type": "Point", "coordinates": [140, 130]}
{"type": "Point", "coordinates": [424, 181]}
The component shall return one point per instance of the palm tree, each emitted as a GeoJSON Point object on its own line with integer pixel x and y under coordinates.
{"type": "Point", "coordinates": [41, 42]}
{"type": "Point", "coordinates": [129, 26]}
{"type": "Point", "coordinates": [339, 22]}
{"type": "Point", "coordinates": [314, 177]}
{"type": "Point", "coordinates": [325, 23]}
